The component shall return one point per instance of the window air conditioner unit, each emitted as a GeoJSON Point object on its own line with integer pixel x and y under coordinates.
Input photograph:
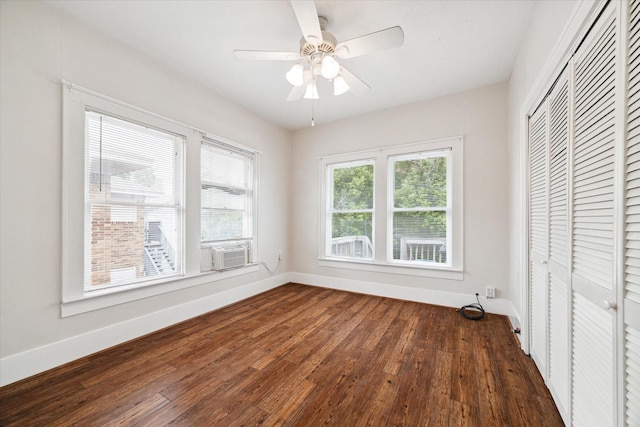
{"type": "Point", "coordinates": [229, 257]}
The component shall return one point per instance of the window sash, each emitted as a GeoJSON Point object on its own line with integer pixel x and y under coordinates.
{"type": "Point", "coordinates": [357, 246]}
{"type": "Point", "coordinates": [402, 249]}
{"type": "Point", "coordinates": [126, 164]}
{"type": "Point", "coordinates": [217, 155]}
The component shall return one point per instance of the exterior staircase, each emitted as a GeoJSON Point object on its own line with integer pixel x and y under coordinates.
{"type": "Point", "coordinates": [159, 258]}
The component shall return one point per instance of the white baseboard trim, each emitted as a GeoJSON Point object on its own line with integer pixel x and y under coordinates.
{"type": "Point", "coordinates": [22, 365]}
{"type": "Point", "coordinates": [427, 296]}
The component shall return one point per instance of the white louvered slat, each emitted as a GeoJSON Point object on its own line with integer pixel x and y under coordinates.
{"type": "Point", "coordinates": [632, 223]}
{"type": "Point", "coordinates": [558, 338]}
{"type": "Point", "coordinates": [592, 364]}
{"type": "Point", "coordinates": [593, 158]}
{"type": "Point", "coordinates": [558, 190]}
{"type": "Point", "coordinates": [559, 343]}
{"type": "Point", "coordinates": [632, 185]}
{"type": "Point", "coordinates": [539, 315]}
{"type": "Point", "coordinates": [538, 235]}
{"type": "Point", "coordinates": [538, 183]}
{"type": "Point", "coordinates": [593, 240]}
{"type": "Point", "coordinates": [632, 376]}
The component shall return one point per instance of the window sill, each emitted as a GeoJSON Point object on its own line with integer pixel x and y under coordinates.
{"type": "Point", "coordinates": [407, 270]}
{"type": "Point", "coordinates": [114, 296]}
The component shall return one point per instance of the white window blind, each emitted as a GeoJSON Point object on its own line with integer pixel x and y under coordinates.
{"type": "Point", "coordinates": [133, 218]}
{"type": "Point", "coordinates": [421, 207]}
{"type": "Point", "coordinates": [227, 195]}
{"type": "Point", "coordinates": [350, 211]}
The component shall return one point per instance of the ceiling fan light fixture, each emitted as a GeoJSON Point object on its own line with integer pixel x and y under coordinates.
{"type": "Point", "coordinates": [330, 67]}
{"type": "Point", "coordinates": [312, 91]}
{"type": "Point", "coordinates": [295, 75]}
{"type": "Point", "coordinates": [340, 85]}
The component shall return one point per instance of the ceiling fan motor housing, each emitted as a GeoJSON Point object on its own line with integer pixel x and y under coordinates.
{"type": "Point", "coordinates": [328, 45]}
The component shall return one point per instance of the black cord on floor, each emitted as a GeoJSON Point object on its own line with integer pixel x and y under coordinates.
{"type": "Point", "coordinates": [473, 311]}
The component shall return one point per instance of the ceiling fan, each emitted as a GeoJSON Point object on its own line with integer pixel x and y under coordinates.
{"type": "Point", "coordinates": [318, 52]}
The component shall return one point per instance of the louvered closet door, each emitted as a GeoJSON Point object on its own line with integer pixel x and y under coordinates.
{"type": "Point", "coordinates": [632, 224]}
{"type": "Point", "coordinates": [593, 352]}
{"type": "Point", "coordinates": [538, 236]}
{"type": "Point", "coordinates": [559, 300]}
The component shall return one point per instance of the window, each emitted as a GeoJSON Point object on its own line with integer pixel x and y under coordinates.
{"type": "Point", "coordinates": [420, 207]}
{"type": "Point", "coordinates": [350, 213]}
{"type": "Point", "coordinates": [226, 202]}
{"type": "Point", "coordinates": [411, 194]}
{"type": "Point", "coordinates": [133, 216]}
{"type": "Point", "coordinates": [141, 196]}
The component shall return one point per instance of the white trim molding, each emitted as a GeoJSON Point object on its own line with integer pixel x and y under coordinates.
{"type": "Point", "coordinates": [22, 365]}
{"type": "Point", "coordinates": [426, 296]}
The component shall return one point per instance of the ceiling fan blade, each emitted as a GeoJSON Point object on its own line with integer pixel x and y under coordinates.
{"type": "Point", "coordinates": [260, 55]}
{"type": "Point", "coordinates": [307, 17]}
{"type": "Point", "coordinates": [380, 40]}
{"type": "Point", "coordinates": [357, 86]}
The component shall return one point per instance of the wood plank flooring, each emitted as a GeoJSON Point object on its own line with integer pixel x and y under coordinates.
{"type": "Point", "coordinates": [298, 356]}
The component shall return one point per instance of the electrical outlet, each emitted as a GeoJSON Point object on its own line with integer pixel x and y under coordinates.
{"type": "Point", "coordinates": [490, 292]}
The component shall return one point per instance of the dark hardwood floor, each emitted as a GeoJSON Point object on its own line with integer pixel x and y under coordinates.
{"type": "Point", "coordinates": [298, 356]}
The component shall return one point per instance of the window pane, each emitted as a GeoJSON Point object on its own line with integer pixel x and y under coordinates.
{"type": "Point", "coordinates": [130, 162]}
{"type": "Point", "coordinates": [132, 224]}
{"type": "Point", "coordinates": [226, 194]}
{"type": "Point", "coordinates": [420, 182]}
{"type": "Point", "coordinates": [223, 197]}
{"type": "Point", "coordinates": [222, 224]}
{"type": "Point", "coordinates": [420, 236]}
{"type": "Point", "coordinates": [130, 244]}
{"type": "Point", "coordinates": [352, 235]}
{"type": "Point", "coordinates": [353, 187]}
{"type": "Point", "coordinates": [224, 168]}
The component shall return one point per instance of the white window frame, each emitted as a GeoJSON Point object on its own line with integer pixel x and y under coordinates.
{"type": "Point", "coordinates": [176, 204]}
{"type": "Point", "coordinates": [251, 218]}
{"type": "Point", "coordinates": [75, 300]}
{"type": "Point", "coordinates": [383, 261]}
{"type": "Point", "coordinates": [391, 209]}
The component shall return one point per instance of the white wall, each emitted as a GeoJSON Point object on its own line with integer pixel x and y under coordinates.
{"type": "Point", "coordinates": [554, 29]}
{"type": "Point", "coordinates": [39, 47]}
{"type": "Point", "coordinates": [480, 116]}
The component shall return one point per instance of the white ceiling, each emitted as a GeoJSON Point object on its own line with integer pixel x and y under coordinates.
{"type": "Point", "coordinates": [450, 46]}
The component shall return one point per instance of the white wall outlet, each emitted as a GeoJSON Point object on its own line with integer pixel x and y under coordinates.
{"type": "Point", "coordinates": [490, 292]}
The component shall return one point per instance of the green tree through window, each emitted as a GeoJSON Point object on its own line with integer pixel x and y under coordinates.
{"type": "Point", "coordinates": [352, 210]}
{"type": "Point", "coordinates": [420, 207]}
